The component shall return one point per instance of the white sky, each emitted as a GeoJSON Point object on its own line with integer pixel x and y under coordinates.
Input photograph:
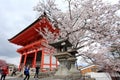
{"type": "Point", "coordinates": [15, 15]}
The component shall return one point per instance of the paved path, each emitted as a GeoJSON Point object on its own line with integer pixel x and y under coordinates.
{"type": "Point", "coordinates": [14, 78]}
{"type": "Point", "coordinates": [18, 78]}
{"type": "Point", "coordinates": [32, 79]}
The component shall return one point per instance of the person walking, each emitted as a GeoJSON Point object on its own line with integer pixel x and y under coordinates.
{"type": "Point", "coordinates": [27, 73]}
{"type": "Point", "coordinates": [37, 71]}
{"type": "Point", "coordinates": [4, 72]}
{"type": "Point", "coordinates": [14, 72]}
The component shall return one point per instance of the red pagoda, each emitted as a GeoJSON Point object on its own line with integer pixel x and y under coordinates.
{"type": "Point", "coordinates": [32, 51]}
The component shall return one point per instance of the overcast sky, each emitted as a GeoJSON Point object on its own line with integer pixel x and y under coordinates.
{"type": "Point", "coordinates": [15, 15]}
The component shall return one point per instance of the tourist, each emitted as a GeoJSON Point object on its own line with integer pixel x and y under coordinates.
{"type": "Point", "coordinates": [4, 72]}
{"type": "Point", "coordinates": [14, 72]}
{"type": "Point", "coordinates": [27, 73]}
{"type": "Point", "coordinates": [37, 71]}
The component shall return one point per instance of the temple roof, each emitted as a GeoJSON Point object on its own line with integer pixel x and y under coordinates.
{"type": "Point", "coordinates": [29, 34]}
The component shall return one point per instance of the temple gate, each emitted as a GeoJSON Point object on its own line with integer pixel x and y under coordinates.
{"type": "Point", "coordinates": [32, 51]}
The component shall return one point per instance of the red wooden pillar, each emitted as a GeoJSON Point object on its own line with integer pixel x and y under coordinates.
{"type": "Point", "coordinates": [35, 56]}
{"type": "Point", "coordinates": [42, 60]}
{"type": "Point", "coordinates": [20, 65]}
{"type": "Point", "coordinates": [25, 59]}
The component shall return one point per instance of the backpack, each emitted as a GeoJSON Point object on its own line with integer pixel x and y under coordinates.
{"type": "Point", "coordinates": [26, 71]}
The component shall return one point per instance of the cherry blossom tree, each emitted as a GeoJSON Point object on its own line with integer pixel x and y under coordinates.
{"type": "Point", "coordinates": [84, 23]}
{"type": "Point", "coordinates": [2, 63]}
{"type": "Point", "coordinates": [101, 56]}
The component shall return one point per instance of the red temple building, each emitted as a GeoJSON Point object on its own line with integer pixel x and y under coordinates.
{"type": "Point", "coordinates": [32, 51]}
